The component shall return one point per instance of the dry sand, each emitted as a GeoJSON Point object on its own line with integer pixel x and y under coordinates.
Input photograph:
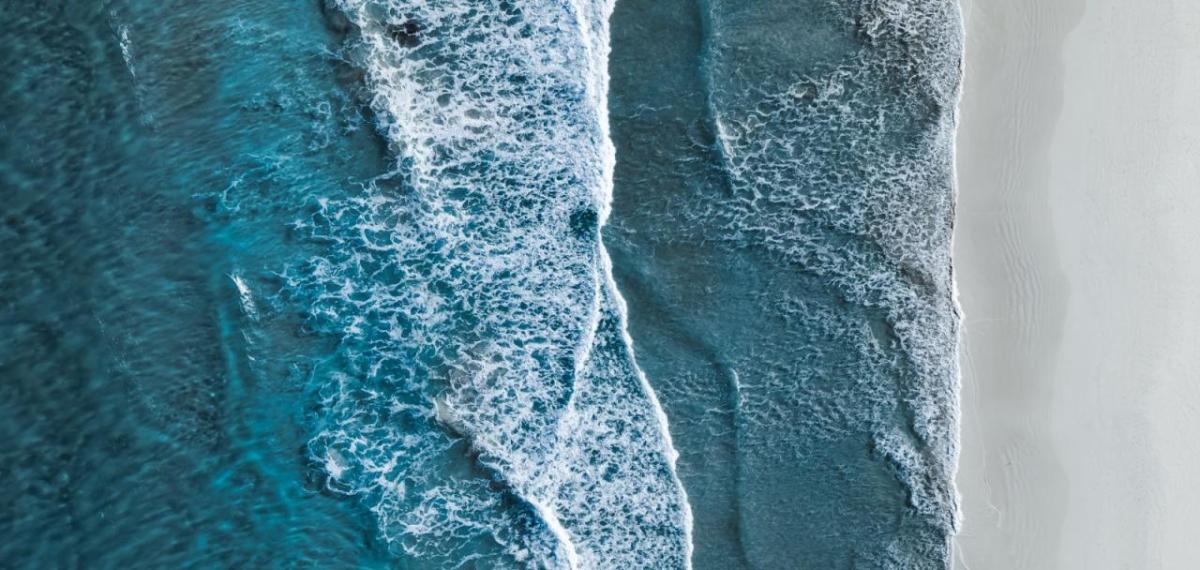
{"type": "Point", "coordinates": [1078, 258]}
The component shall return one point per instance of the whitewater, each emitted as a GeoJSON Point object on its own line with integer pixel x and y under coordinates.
{"type": "Point", "coordinates": [487, 406]}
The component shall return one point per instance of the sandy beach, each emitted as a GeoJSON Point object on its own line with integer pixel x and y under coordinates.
{"type": "Point", "coordinates": [1078, 259]}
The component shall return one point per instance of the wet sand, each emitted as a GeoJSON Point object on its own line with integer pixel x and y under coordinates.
{"type": "Point", "coordinates": [1078, 259]}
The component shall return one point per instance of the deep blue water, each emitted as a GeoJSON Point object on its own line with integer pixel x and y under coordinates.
{"type": "Point", "coordinates": [406, 284]}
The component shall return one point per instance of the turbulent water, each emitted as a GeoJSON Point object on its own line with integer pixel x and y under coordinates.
{"type": "Point", "coordinates": [329, 284]}
{"type": "Point", "coordinates": [491, 393]}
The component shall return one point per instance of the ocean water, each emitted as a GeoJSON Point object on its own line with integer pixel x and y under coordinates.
{"type": "Point", "coordinates": [478, 284]}
{"type": "Point", "coordinates": [782, 217]}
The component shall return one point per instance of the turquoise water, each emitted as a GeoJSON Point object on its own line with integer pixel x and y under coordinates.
{"type": "Point", "coordinates": [404, 284]}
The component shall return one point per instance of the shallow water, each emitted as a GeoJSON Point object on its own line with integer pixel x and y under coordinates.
{"type": "Point", "coordinates": [330, 284]}
{"type": "Point", "coordinates": [781, 226]}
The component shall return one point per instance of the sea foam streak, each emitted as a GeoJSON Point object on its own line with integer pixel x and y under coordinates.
{"type": "Point", "coordinates": [841, 174]}
{"type": "Point", "coordinates": [486, 405]}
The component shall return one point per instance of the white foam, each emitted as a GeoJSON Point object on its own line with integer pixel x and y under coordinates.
{"type": "Point", "coordinates": [245, 296]}
{"type": "Point", "coordinates": [126, 49]}
{"type": "Point", "coordinates": [481, 289]}
{"type": "Point", "coordinates": [838, 176]}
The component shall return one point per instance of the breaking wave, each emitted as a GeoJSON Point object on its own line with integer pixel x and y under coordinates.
{"type": "Point", "coordinates": [484, 402]}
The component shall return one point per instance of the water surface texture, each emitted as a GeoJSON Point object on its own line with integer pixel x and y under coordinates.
{"type": "Point", "coordinates": [382, 284]}
{"type": "Point", "coordinates": [784, 199]}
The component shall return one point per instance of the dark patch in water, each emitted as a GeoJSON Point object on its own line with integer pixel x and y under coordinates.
{"type": "Point", "coordinates": [406, 34]}
{"type": "Point", "coordinates": [584, 222]}
{"type": "Point", "coordinates": [335, 20]}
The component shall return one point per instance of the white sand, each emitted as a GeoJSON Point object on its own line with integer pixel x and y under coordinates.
{"type": "Point", "coordinates": [1078, 257]}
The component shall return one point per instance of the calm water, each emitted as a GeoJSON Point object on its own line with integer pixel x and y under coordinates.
{"type": "Point", "coordinates": [406, 284]}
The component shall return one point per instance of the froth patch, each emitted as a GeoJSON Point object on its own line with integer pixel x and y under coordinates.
{"type": "Point", "coordinates": [486, 405]}
{"type": "Point", "coordinates": [844, 175]}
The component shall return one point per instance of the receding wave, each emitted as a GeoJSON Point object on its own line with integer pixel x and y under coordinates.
{"type": "Point", "coordinates": [839, 168]}
{"type": "Point", "coordinates": [484, 402]}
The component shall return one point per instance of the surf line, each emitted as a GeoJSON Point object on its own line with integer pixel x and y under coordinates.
{"type": "Point", "coordinates": [598, 92]}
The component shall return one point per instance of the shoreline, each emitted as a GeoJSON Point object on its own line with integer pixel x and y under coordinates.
{"type": "Point", "coordinates": [1076, 215]}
